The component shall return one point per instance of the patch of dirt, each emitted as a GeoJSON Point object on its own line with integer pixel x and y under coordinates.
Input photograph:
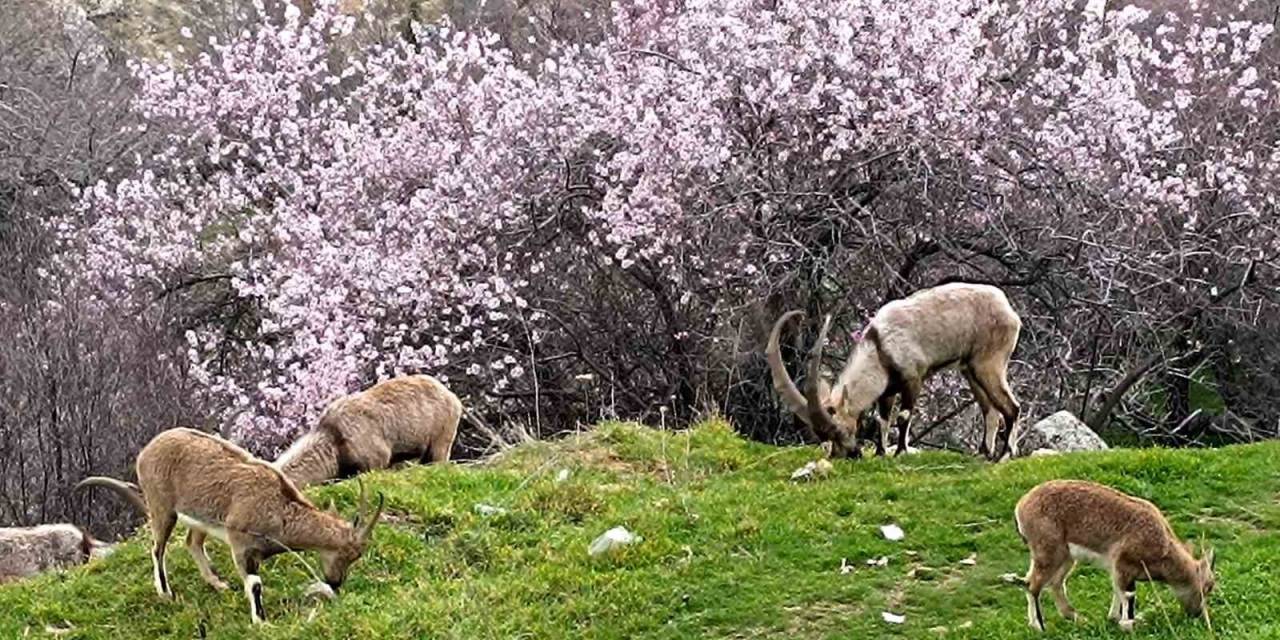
{"type": "Point", "coordinates": [595, 456]}
{"type": "Point", "coordinates": [400, 518]}
{"type": "Point", "coordinates": [812, 618]}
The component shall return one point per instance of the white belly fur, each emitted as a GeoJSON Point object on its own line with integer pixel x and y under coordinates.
{"type": "Point", "coordinates": [1086, 554]}
{"type": "Point", "coordinates": [210, 528]}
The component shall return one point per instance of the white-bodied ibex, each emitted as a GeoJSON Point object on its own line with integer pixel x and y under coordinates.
{"type": "Point", "coordinates": [1063, 521]}
{"type": "Point", "coordinates": [216, 488]}
{"type": "Point", "coordinates": [908, 340]}
{"type": "Point", "coordinates": [407, 417]}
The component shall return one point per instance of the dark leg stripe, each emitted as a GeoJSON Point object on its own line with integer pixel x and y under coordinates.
{"type": "Point", "coordinates": [164, 579]}
{"type": "Point", "coordinates": [257, 601]}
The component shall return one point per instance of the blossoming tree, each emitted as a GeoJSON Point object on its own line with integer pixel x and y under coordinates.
{"type": "Point", "coordinates": [640, 207]}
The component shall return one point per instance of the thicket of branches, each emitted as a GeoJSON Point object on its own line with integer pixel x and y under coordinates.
{"type": "Point", "coordinates": [589, 211]}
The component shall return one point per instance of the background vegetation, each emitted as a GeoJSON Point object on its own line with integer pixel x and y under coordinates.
{"type": "Point", "coordinates": [224, 214]}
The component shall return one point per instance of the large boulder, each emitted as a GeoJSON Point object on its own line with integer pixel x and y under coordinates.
{"type": "Point", "coordinates": [1061, 432]}
{"type": "Point", "coordinates": [30, 550]}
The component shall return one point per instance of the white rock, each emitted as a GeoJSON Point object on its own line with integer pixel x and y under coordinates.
{"type": "Point", "coordinates": [812, 470]}
{"type": "Point", "coordinates": [320, 591]}
{"type": "Point", "coordinates": [1062, 432]}
{"type": "Point", "coordinates": [892, 532]}
{"type": "Point", "coordinates": [488, 509]}
{"type": "Point", "coordinates": [612, 539]}
{"type": "Point", "coordinates": [892, 618]}
{"type": "Point", "coordinates": [805, 472]}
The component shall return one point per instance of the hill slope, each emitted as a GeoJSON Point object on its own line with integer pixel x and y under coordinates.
{"type": "Point", "coordinates": [731, 548]}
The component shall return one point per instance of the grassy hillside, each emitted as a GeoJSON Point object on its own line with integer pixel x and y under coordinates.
{"type": "Point", "coordinates": [731, 548]}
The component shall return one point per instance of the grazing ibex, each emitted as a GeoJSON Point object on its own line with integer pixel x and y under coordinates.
{"type": "Point", "coordinates": [908, 340]}
{"type": "Point", "coordinates": [26, 551]}
{"type": "Point", "coordinates": [407, 417]}
{"type": "Point", "coordinates": [1067, 520]}
{"type": "Point", "coordinates": [216, 488]}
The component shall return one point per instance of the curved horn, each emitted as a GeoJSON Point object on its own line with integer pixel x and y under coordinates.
{"type": "Point", "coordinates": [782, 382]}
{"type": "Point", "coordinates": [822, 422]}
{"type": "Point", "coordinates": [362, 505]}
{"type": "Point", "coordinates": [377, 514]}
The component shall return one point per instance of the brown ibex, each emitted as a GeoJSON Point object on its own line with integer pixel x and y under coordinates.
{"type": "Point", "coordinates": [26, 551]}
{"type": "Point", "coordinates": [908, 340]}
{"type": "Point", "coordinates": [407, 417]}
{"type": "Point", "coordinates": [216, 488]}
{"type": "Point", "coordinates": [1063, 521]}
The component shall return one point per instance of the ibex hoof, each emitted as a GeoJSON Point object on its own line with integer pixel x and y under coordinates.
{"type": "Point", "coordinates": [1126, 625]}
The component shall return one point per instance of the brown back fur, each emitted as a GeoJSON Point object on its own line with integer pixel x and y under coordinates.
{"type": "Point", "coordinates": [219, 489]}
{"type": "Point", "coordinates": [1097, 517]}
{"type": "Point", "coordinates": [1065, 520]}
{"type": "Point", "coordinates": [407, 417]}
{"type": "Point", "coordinates": [202, 475]}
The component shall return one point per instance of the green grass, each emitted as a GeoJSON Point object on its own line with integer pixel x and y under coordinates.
{"type": "Point", "coordinates": [732, 548]}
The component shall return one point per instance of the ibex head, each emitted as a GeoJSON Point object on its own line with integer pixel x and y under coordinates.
{"type": "Point", "coordinates": [822, 407]}
{"type": "Point", "coordinates": [336, 562]}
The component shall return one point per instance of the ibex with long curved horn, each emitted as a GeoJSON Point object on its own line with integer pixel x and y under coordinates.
{"type": "Point", "coordinates": [216, 488]}
{"type": "Point", "coordinates": [906, 342]}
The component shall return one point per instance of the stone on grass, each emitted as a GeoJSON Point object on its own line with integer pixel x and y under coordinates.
{"type": "Point", "coordinates": [1061, 432]}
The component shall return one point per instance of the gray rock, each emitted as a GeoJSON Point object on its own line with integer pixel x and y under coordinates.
{"type": "Point", "coordinates": [27, 551]}
{"type": "Point", "coordinates": [1061, 432]}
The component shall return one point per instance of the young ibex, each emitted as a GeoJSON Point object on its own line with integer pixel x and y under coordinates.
{"type": "Point", "coordinates": [1067, 520]}
{"type": "Point", "coordinates": [407, 417]}
{"type": "Point", "coordinates": [219, 489]}
{"type": "Point", "coordinates": [907, 341]}
{"type": "Point", "coordinates": [26, 551]}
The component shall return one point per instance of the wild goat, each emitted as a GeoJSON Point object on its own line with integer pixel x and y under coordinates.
{"type": "Point", "coordinates": [407, 417]}
{"type": "Point", "coordinates": [26, 551]}
{"type": "Point", "coordinates": [1067, 520]}
{"type": "Point", "coordinates": [216, 488]}
{"type": "Point", "coordinates": [906, 342]}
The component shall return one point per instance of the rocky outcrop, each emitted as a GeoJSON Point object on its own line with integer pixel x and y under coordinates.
{"type": "Point", "coordinates": [1062, 432]}
{"type": "Point", "coordinates": [26, 551]}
